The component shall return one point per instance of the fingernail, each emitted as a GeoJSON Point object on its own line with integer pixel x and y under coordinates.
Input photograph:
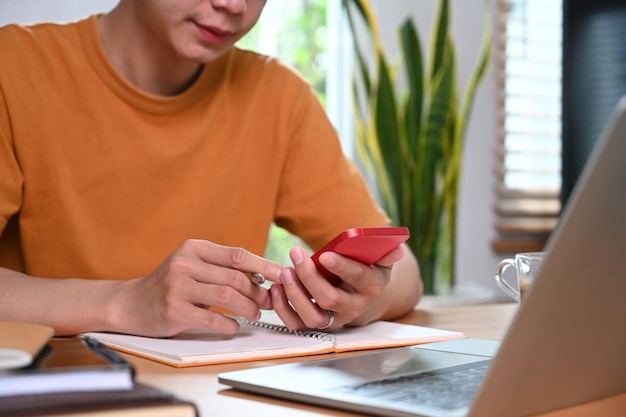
{"type": "Point", "coordinates": [287, 276]}
{"type": "Point", "coordinates": [258, 316]}
{"type": "Point", "coordinates": [275, 290]}
{"type": "Point", "coordinates": [327, 259]}
{"type": "Point", "coordinates": [296, 256]}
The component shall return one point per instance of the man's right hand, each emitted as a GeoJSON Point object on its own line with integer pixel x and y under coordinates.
{"type": "Point", "coordinates": [192, 288]}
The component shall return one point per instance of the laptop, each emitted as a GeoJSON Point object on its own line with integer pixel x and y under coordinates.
{"type": "Point", "coordinates": [565, 346]}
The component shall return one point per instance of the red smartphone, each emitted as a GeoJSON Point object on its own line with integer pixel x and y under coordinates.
{"type": "Point", "coordinates": [366, 245]}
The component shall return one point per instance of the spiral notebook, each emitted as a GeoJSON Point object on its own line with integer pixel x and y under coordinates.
{"type": "Point", "coordinates": [268, 339]}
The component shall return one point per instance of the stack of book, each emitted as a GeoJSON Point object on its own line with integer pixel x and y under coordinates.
{"type": "Point", "coordinates": [45, 376]}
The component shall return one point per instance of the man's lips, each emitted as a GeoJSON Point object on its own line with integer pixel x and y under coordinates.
{"type": "Point", "coordinates": [213, 35]}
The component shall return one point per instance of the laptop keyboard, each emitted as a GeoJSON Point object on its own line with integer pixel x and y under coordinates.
{"type": "Point", "coordinates": [446, 388]}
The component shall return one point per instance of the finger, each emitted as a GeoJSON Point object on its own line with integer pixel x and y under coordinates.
{"type": "Point", "coordinates": [307, 276]}
{"type": "Point", "coordinates": [221, 287]}
{"type": "Point", "coordinates": [290, 318]}
{"type": "Point", "coordinates": [354, 273]}
{"type": "Point", "coordinates": [392, 257]}
{"type": "Point", "coordinates": [235, 258]}
{"type": "Point", "coordinates": [227, 300]}
{"type": "Point", "coordinates": [208, 319]}
{"type": "Point", "coordinates": [307, 272]}
{"type": "Point", "coordinates": [218, 275]}
{"type": "Point", "coordinates": [283, 308]}
{"type": "Point", "coordinates": [313, 314]}
{"type": "Point", "coordinates": [176, 317]}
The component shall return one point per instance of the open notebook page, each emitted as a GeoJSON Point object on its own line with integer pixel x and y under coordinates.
{"type": "Point", "coordinates": [268, 339]}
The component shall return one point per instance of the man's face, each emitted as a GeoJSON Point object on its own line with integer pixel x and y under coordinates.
{"type": "Point", "coordinates": [199, 30]}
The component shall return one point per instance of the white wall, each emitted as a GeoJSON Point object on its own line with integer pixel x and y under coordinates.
{"type": "Point", "coordinates": [476, 262]}
{"type": "Point", "coordinates": [29, 11]}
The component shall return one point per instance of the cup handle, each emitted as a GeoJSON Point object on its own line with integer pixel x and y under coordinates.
{"type": "Point", "coordinates": [502, 267]}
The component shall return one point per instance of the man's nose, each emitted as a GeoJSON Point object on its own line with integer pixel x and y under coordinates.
{"type": "Point", "coordinates": [233, 6]}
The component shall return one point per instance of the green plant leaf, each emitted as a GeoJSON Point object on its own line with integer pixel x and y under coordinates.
{"type": "Point", "coordinates": [441, 33]}
{"type": "Point", "coordinates": [368, 17]}
{"type": "Point", "coordinates": [431, 152]}
{"type": "Point", "coordinates": [364, 149]}
{"type": "Point", "coordinates": [414, 67]}
{"type": "Point", "coordinates": [449, 137]}
{"type": "Point", "coordinates": [366, 83]}
{"type": "Point", "coordinates": [387, 128]}
{"type": "Point", "coordinates": [359, 5]}
{"type": "Point", "coordinates": [364, 72]}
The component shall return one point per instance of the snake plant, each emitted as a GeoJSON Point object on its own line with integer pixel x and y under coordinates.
{"type": "Point", "coordinates": [410, 135]}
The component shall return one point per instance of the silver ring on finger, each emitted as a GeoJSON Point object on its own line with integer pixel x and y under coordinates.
{"type": "Point", "coordinates": [331, 320]}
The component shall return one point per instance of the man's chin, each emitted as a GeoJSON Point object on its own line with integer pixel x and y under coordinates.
{"type": "Point", "coordinates": [203, 55]}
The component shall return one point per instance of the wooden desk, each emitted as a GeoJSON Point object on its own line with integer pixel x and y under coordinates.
{"type": "Point", "coordinates": [199, 384]}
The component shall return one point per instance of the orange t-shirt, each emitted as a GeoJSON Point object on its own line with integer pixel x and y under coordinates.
{"type": "Point", "coordinates": [101, 180]}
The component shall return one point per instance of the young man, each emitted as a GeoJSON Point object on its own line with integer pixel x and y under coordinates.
{"type": "Point", "coordinates": [143, 159]}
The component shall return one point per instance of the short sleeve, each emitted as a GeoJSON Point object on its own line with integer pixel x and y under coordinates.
{"type": "Point", "coordinates": [11, 179]}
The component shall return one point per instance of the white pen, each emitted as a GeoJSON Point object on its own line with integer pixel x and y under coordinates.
{"type": "Point", "coordinates": [257, 278]}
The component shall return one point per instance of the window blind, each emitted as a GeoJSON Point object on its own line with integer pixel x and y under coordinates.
{"type": "Point", "coordinates": [529, 58]}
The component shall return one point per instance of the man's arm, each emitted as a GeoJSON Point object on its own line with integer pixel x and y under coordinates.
{"type": "Point", "coordinates": [70, 306]}
{"type": "Point", "coordinates": [174, 297]}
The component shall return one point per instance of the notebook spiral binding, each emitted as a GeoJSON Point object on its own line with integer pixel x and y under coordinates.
{"type": "Point", "coordinates": [311, 334]}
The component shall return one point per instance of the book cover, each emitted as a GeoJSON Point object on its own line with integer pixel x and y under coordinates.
{"type": "Point", "coordinates": [69, 365]}
{"type": "Point", "coordinates": [141, 401]}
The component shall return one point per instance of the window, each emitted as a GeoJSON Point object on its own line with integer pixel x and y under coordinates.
{"type": "Point", "coordinates": [529, 155]}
